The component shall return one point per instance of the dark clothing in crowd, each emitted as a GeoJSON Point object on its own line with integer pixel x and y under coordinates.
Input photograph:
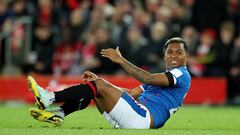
{"type": "Point", "coordinates": [209, 14]}
{"type": "Point", "coordinates": [106, 66]}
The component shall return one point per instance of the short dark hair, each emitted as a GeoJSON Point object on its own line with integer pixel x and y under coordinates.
{"type": "Point", "coordinates": [175, 40]}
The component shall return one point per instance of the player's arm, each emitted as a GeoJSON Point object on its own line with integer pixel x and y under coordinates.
{"type": "Point", "coordinates": [161, 79]}
{"type": "Point", "coordinates": [135, 92]}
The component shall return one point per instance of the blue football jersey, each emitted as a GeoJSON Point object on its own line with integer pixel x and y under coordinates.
{"type": "Point", "coordinates": [162, 102]}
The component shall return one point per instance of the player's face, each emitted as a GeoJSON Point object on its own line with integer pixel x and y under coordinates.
{"type": "Point", "coordinates": [175, 55]}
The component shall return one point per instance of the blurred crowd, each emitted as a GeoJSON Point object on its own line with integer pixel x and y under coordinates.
{"type": "Point", "coordinates": [68, 35]}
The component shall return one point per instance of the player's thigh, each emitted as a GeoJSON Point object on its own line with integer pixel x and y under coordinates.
{"type": "Point", "coordinates": [108, 94]}
{"type": "Point", "coordinates": [130, 114]}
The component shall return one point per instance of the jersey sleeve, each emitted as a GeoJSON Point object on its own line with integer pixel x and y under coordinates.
{"type": "Point", "coordinates": [177, 76]}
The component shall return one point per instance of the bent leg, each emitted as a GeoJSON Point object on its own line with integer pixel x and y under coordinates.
{"type": "Point", "coordinates": [107, 95]}
{"type": "Point", "coordinates": [119, 108]}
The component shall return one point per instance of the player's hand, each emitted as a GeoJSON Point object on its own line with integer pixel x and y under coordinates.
{"type": "Point", "coordinates": [89, 76]}
{"type": "Point", "coordinates": [112, 54]}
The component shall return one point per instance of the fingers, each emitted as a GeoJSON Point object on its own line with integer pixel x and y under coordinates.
{"type": "Point", "coordinates": [86, 74]}
{"type": "Point", "coordinates": [112, 54]}
{"type": "Point", "coordinates": [108, 52]}
{"type": "Point", "coordinates": [106, 55]}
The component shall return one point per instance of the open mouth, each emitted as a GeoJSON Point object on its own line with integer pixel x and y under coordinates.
{"type": "Point", "coordinates": [173, 62]}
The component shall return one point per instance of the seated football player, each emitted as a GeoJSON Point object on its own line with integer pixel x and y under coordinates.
{"type": "Point", "coordinates": [147, 106]}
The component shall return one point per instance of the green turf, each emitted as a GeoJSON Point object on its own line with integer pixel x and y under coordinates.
{"type": "Point", "coordinates": [189, 120]}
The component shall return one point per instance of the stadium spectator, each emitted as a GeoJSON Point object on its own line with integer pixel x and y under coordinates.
{"type": "Point", "coordinates": [96, 20]}
{"type": "Point", "coordinates": [201, 64]}
{"type": "Point", "coordinates": [103, 41]}
{"type": "Point", "coordinates": [234, 77]}
{"type": "Point", "coordinates": [18, 33]}
{"type": "Point", "coordinates": [190, 35]}
{"type": "Point", "coordinates": [164, 15]}
{"type": "Point", "coordinates": [67, 55]}
{"type": "Point", "coordinates": [153, 52]}
{"type": "Point", "coordinates": [180, 18]}
{"type": "Point", "coordinates": [234, 10]}
{"type": "Point", "coordinates": [142, 20]}
{"type": "Point", "coordinates": [5, 15]}
{"type": "Point", "coordinates": [4, 12]}
{"type": "Point", "coordinates": [118, 26]}
{"type": "Point", "coordinates": [151, 6]}
{"type": "Point", "coordinates": [77, 24]}
{"type": "Point", "coordinates": [146, 106]}
{"type": "Point", "coordinates": [134, 46]}
{"type": "Point", "coordinates": [44, 48]}
{"type": "Point", "coordinates": [209, 15]}
{"type": "Point", "coordinates": [88, 58]}
{"type": "Point", "coordinates": [223, 50]}
{"type": "Point", "coordinates": [46, 13]}
{"type": "Point", "coordinates": [19, 8]}
{"type": "Point", "coordinates": [72, 4]}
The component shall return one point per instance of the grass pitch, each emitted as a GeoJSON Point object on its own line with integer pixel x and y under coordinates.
{"type": "Point", "coordinates": [189, 120]}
